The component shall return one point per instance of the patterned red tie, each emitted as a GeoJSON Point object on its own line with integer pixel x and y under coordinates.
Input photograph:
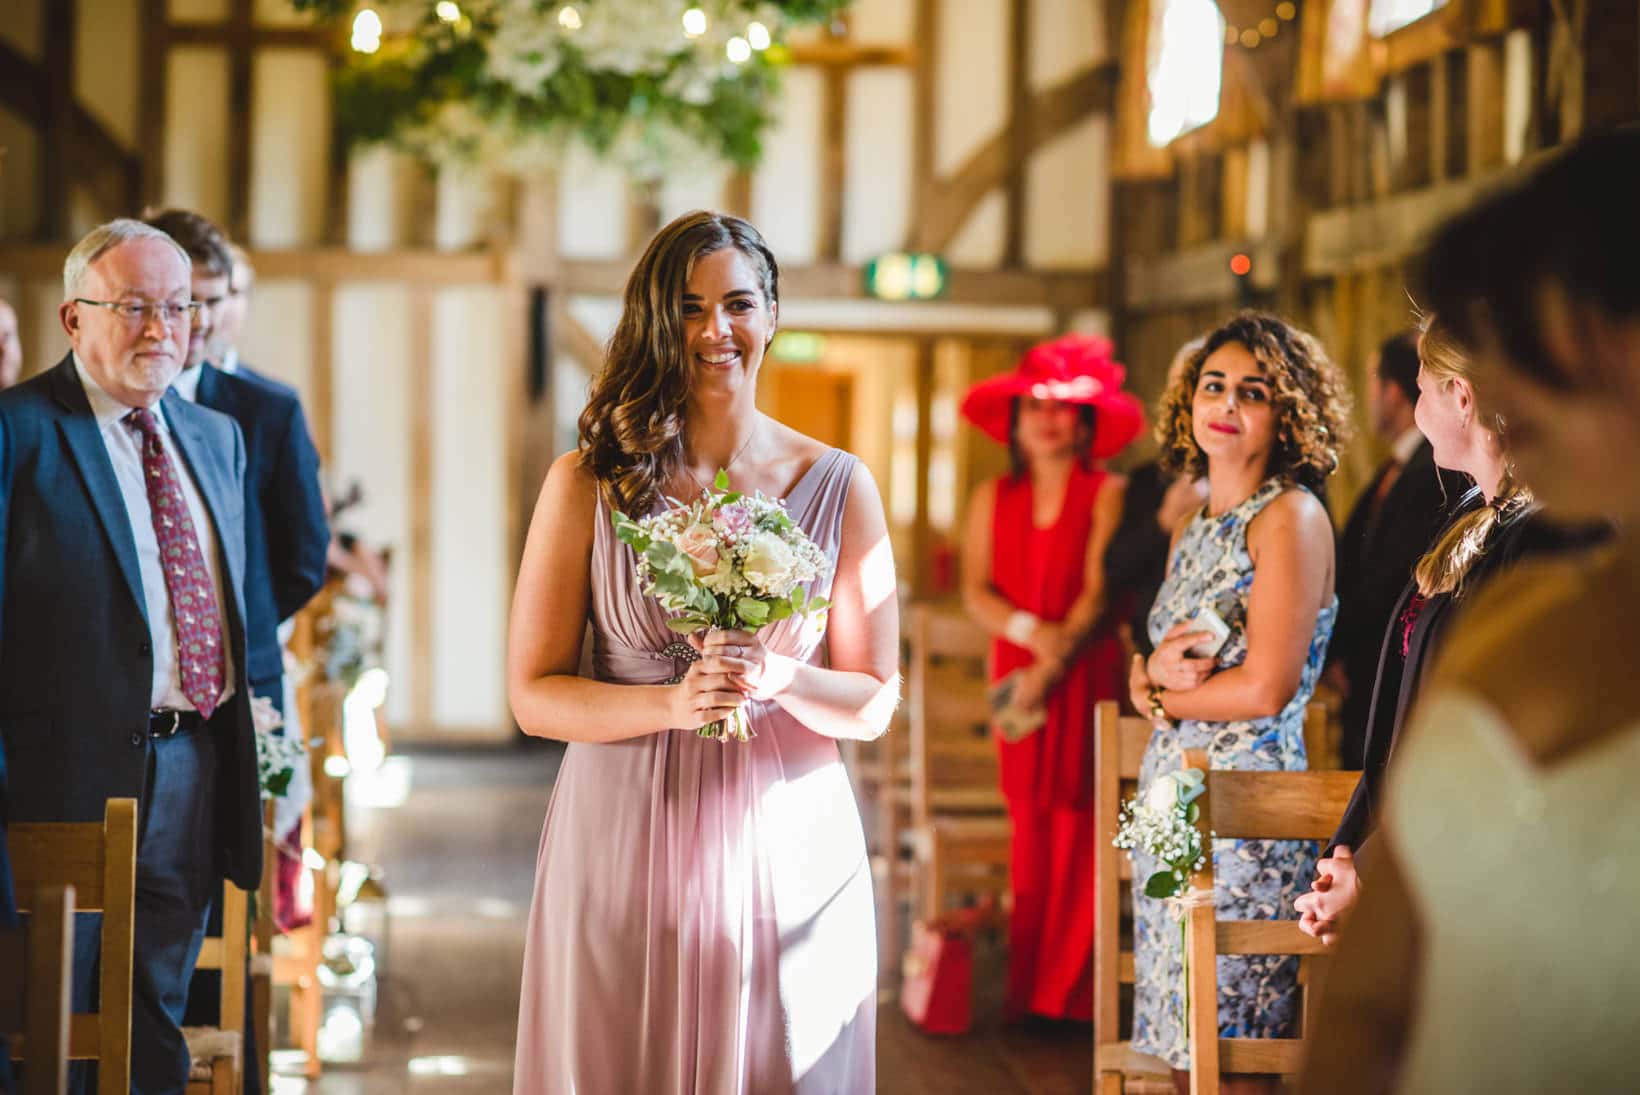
{"type": "Point", "coordinates": [193, 599]}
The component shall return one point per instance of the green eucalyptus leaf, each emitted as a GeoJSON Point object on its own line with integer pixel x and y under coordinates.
{"type": "Point", "coordinates": [721, 482]}
{"type": "Point", "coordinates": [1162, 884]}
{"type": "Point", "coordinates": [687, 625]}
{"type": "Point", "coordinates": [752, 611]}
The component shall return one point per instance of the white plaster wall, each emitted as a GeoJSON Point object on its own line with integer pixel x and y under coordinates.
{"type": "Point", "coordinates": [279, 13]}
{"type": "Point", "coordinates": [980, 241]}
{"type": "Point", "coordinates": [19, 175]}
{"type": "Point", "coordinates": [1517, 93]}
{"type": "Point", "coordinates": [697, 188]}
{"type": "Point", "coordinates": [108, 50]}
{"type": "Point", "coordinates": [44, 342]}
{"type": "Point", "coordinates": [473, 383]}
{"type": "Point", "coordinates": [375, 199]}
{"type": "Point", "coordinates": [1066, 36]}
{"type": "Point", "coordinates": [461, 207]}
{"type": "Point", "coordinates": [877, 183]}
{"type": "Point", "coordinates": [196, 131]}
{"type": "Point", "coordinates": [278, 338]}
{"type": "Point", "coordinates": [215, 10]}
{"type": "Point", "coordinates": [1067, 187]}
{"type": "Point", "coordinates": [970, 78]}
{"type": "Point", "coordinates": [290, 147]}
{"type": "Point", "coordinates": [592, 208]}
{"type": "Point", "coordinates": [883, 22]}
{"type": "Point", "coordinates": [786, 187]}
{"type": "Point", "coordinates": [372, 444]}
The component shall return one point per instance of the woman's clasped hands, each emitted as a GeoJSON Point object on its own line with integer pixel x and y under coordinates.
{"type": "Point", "coordinates": [734, 669]}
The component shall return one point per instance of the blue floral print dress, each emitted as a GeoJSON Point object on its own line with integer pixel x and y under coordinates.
{"type": "Point", "coordinates": [1255, 879]}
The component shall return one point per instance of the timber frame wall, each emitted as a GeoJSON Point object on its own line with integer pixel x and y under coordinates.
{"type": "Point", "coordinates": [1355, 186]}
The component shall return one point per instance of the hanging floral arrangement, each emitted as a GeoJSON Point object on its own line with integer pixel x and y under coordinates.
{"type": "Point", "coordinates": [655, 85]}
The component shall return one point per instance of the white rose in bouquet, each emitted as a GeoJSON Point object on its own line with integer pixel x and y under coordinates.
{"type": "Point", "coordinates": [770, 565]}
{"type": "Point", "coordinates": [700, 544]}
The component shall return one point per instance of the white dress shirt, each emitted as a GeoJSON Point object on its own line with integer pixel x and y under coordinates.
{"type": "Point", "coordinates": [230, 362]}
{"type": "Point", "coordinates": [1402, 448]}
{"type": "Point", "coordinates": [125, 453]}
{"type": "Point", "coordinates": [187, 383]}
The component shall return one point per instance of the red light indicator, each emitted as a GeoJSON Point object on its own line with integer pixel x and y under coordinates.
{"type": "Point", "coordinates": [1240, 264]}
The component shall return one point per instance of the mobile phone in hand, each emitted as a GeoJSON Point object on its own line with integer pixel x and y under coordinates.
{"type": "Point", "coordinates": [1210, 621]}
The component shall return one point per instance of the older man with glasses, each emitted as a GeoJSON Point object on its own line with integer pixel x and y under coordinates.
{"type": "Point", "coordinates": [122, 637]}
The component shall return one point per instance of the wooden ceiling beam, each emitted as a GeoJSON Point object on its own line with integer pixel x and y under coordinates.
{"type": "Point", "coordinates": [1051, 112]}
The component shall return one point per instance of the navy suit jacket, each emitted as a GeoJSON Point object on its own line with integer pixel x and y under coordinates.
{"type": "Point", "coordinates": [286, 533]}
{"type": "Point", "coordinates": [76, 664]}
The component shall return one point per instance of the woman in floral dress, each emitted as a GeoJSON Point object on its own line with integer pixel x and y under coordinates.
{"type": "Point", "coordinates": [1259, 410]}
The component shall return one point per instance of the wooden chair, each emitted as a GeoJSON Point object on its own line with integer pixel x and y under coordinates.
{"type": "Point", "coordinates": [36, 989]}
{"type": "Point", "coordinates": [98, 859]}
{"type": "Point", "coordinates": [218, 1052]}
{"type": "Point", "coordinates": [1244, 806]}
{"type": "Point", "coordinates": [1119, 743]}
{"type": "Point", "coordinates": [957, 810]}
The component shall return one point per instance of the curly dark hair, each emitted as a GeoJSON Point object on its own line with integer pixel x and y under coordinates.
{"type": "Point", "coordinates": [631, 432]}
{"type": "Point", "coordinates": [1312, 404]}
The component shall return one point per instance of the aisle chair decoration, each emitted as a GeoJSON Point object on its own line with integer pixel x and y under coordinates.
{"type": "Point", "coordinates": [1163, 824]}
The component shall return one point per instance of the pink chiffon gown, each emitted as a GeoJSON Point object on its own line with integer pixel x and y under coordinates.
{"type": "Point", "coordinates": [703, 920]}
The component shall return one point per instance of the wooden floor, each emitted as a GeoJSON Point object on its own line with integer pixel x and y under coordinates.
{"type": "Point", "coordinates": [458, 863]}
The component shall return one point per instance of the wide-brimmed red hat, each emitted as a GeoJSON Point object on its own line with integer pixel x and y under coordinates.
{"type": "Point", "coordinates": [1071, 369]}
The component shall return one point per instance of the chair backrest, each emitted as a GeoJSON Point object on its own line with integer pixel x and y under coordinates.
{"type": "Point", "coordinates": [100, 861]}
{"type": "Point", "coordinates": [36, 988]}
{"type": "Point", "coordinates": [1322, 736]}
{"type": "Point", "coordinates": [1240, 805]}
{"type": "Point", "coordinates": [228, 953]}
{"type": "Point", "coordinates": [953, 757]}
{"type": "Point", "coordinates": [1119, 743]}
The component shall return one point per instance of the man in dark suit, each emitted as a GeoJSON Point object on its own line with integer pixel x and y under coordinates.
{"type": "Point", "coordinates": [1393, 524]}
{"type": "Point", "coordinates": [122, 637]}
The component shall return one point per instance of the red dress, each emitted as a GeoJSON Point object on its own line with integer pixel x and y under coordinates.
{"type": "Point", "coordinates": [1047, 778]}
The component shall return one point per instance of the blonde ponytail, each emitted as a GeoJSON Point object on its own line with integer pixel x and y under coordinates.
{"type": "Point", "coordinates": [1461, 546]}
{"type": "Point", "coordinates": [1446, 565]}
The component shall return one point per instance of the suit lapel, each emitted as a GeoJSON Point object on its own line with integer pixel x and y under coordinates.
{"type": "Point", "coordinates": [207, 392]}
{"type": "Point", "coordinates": [83, 437]}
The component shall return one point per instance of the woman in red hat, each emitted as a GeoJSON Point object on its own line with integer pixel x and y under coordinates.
{"type": "Point", "coordinates": [1033, 576]}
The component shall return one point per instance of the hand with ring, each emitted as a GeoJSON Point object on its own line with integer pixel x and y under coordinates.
{"type": "Point", "coordinates": [743, 658]}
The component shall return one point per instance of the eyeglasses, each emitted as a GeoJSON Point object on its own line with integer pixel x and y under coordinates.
{"type": "Point", "coordinates": [171, 313]}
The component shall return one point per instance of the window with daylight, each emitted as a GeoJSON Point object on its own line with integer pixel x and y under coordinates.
{"type": "Point", "coordinates": [1385, 16]}
{"type": "Point", "coordinates": [1184, 67]}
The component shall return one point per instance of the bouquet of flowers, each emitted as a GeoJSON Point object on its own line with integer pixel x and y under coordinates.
{"type": "Point", "coordinates": [726, 560]}
{"type": "Point", "coordinates": [1163, 825]}
{"type": "Point", "coordinates": [276, 755]}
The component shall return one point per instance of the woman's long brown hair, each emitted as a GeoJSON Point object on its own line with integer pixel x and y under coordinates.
{"type": "Point", "coordinates": [631, 432]}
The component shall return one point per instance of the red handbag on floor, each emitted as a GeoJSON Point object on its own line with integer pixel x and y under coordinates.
{"type": "Point", "coordinates": [937, 972]}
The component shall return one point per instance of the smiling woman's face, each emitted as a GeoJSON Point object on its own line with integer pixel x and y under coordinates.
{"type": "Point", "coordinates": [1231, 415]}
{"type": "Point", "coordinates": [727, 323]}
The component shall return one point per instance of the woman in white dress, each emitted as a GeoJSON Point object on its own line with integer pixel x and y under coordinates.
{"type": "Point", "coordinates": [1495, 946]}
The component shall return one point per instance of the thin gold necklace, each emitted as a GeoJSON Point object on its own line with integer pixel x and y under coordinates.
{"type": "Point", "coordinates": [737, 454]}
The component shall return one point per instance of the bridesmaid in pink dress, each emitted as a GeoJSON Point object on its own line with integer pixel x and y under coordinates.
{"type": "Point", "coordinates": [703, 919]}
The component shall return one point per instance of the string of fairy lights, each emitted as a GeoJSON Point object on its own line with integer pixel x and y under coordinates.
{"type": "Point", "coordinates": [1256, 34]}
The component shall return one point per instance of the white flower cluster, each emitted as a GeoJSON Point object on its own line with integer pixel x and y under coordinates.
{"type": "Point", "coordinates": [1162, 824]}
{"type": "Point", "coordinates": [725, 560]}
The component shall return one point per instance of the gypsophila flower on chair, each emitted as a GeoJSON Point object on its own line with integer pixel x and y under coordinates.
{"type": "Point", "coordinates": [1164, 825]}
{"type": "Point", "coordinates": [276, 754]}
{"type": "Point", "coordinates": [725, 560]}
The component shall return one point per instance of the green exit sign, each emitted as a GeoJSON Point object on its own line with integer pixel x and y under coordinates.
{"type": "Point", "coordinates": [902, 276]}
